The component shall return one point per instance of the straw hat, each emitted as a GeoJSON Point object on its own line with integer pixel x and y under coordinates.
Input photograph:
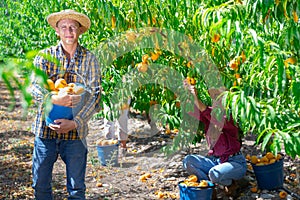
{"type": "Point", "coordinates": [69, 14]}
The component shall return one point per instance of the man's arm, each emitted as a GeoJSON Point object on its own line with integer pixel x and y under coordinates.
{"type": "Point", "coordinates": [199, 104]}
{"type": "Point", "coordinates": [93, 104]}
{"type": "Point", "coordinates": [39, 92]}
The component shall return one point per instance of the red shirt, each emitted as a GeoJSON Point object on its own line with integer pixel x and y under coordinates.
{"type": "Point", "coordinates": [228, 142]}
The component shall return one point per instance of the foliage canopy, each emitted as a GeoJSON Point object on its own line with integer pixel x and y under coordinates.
{"type": "Point", "coordinates": [255, 45]}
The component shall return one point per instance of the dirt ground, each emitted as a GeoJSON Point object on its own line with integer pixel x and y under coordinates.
{"type": "Point", "coordinates": [116, 182]}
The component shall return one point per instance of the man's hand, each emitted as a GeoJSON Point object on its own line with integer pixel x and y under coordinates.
{"type": "Point", "coordinates": [66, 100]}
{"type": "Point", "coordinates": [63, 125]}
{"type": "Point", "coordinates": [190, 88]}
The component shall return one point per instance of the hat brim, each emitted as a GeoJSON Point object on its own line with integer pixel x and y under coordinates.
{"type": "Point", "coordinates": [84, 21]}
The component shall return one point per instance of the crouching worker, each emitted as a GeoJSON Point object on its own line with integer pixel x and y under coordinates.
{"type": "Point", "coordinates": [224, 163]}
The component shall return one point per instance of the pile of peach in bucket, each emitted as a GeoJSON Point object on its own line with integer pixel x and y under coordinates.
{"type": "Point", "coordinates": [104, 142]}
{"type": "Point", "coordinates": [267, 159]}
{"type": "Point", "coordinates": [268, 170]}
{"type": "Point", "coordinates": [60, 87]}
{"type": "Point", "coordinates": [108, 151]}
{"type": "Point", "coordinates": [192, 188]}
{"type": "Point", "coordinates": [192, 180]}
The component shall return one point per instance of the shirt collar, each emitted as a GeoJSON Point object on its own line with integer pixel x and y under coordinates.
{"type": "Point", "coordinates": [78, 50]}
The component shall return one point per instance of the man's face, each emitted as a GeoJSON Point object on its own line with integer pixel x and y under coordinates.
{"type": "Point", "coordinates": [68, 30]}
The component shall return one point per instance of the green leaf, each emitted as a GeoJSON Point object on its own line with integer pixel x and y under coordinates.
{"type": "Point", "coordinates": [254, 36]}
{"type": "Point", "coordinates": [293, 125]}
{"type": "Point", "coordinates": [253, 103]}
{"type": "Point", "coordinates": [271, 112]}
{"type": "Point", "coordinates": [248, 110]}
{"type": "Point", "coordinates": [234, 105]}
{"type": "Point", "coordinates": [5, 78]}
{"type": "Point", "coordinates": [281, 74]}
{"type": "Point", "coordinates": [296, 93]}
{"type": "Point", "coordinates": [266, 140]}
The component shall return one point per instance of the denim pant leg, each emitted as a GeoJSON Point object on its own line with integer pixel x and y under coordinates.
{"type": "Point", "coordinates": [43, 159]}
{"type": "Point", "coordinates": [198, 165]}
{"type": "Point", "coordinates": [235, 168]}
{"type": "Point", "coordinates": [74, 154]}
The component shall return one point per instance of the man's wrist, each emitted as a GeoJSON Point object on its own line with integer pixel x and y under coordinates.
{"type": "Point", "coordinates": [75, 124]}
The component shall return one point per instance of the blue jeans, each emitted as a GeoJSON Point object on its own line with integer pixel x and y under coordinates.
{"type": "Point", "coordinates": [210, 168]}
{"type": "Point", "coordinates": [45, 154]}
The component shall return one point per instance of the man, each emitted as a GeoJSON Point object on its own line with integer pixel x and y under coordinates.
{"type": "Point", "coordinates": [224, 164]}
{"type": "Point", "coordinates": [64, 137]}
{"type": "Point", "coordinates": [118, 128]}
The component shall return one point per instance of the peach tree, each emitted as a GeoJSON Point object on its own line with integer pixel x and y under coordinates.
{"type": "Point", "coordinates": [254, 45]}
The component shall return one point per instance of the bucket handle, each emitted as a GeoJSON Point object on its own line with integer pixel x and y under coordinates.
{"type": "Point", "coordinates": [183, 187]}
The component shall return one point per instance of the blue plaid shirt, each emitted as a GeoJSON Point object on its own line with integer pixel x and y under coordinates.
{"type": "Point", "coordinates": [82, 68]}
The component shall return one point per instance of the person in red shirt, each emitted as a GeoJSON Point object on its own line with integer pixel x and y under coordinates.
{"type": "Point", "coordinates": [224, 162]}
